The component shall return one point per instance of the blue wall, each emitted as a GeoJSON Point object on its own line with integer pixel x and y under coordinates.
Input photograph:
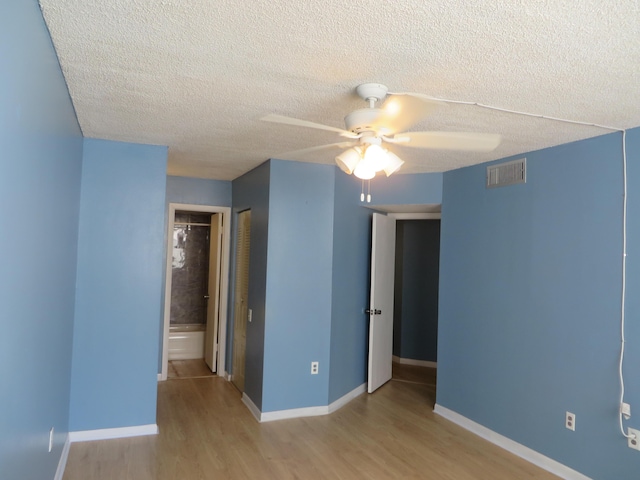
{"type": "Point", "coordinates": [251, 191]}
{"type": "Point", "coordinates": [530, 303]}
{"type": "Point", "coordinates": [198, 191]}
{"type": "Point", "coordinates": [41, 157]}
{"type": "Point", "coordinates": [119, 292]}
{"type": "Point", "coordinates": [415, 189]}
{"type": "Point", "coordinates": [298, 318]}
{"type": "Point", "coordinates": [415, 318]}
{"type": "Point", "coordinates": [350, 284]}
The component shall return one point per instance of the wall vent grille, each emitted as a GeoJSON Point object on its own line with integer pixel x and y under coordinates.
{"type": "Point", "coordinates": [507, 173]}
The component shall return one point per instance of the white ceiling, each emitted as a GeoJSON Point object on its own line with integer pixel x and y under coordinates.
{"type": "Point", "coordinates": [198, 75]}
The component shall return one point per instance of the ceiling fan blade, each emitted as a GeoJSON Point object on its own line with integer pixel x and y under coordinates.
{"type": "Point", "coordinates": [317, 148]}
{"type": "Point", "coordinates": [403, 110]}
{"type": "Point", "coordinates": [469, 141]}
{"type": "Point", "coordinates": [304, 123]}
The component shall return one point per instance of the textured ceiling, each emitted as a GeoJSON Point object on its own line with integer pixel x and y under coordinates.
{"type": "Point", "coordinates": [198, 75]}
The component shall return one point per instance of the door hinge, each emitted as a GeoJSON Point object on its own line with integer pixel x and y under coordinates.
{"type": "Point", "coordinates": [374, 311]}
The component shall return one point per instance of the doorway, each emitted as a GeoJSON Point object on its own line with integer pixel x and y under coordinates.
{"type": "Point", "coordinates": [199, 309]}
{"type": "Point", "coordinates": [382, 357]}
{"type": "Point", "coordinates": [415, 322]}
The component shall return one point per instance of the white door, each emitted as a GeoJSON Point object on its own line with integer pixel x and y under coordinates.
{"type": "Point", "coordinates": [213, 303]}
{"type": "Point", "coordinates": [383, 247]}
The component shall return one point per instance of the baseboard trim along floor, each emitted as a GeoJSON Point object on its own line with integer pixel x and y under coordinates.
{"type": "Point", "coordinates": [108, 433]}
{"type": "Point", "coordinates": [302, 412]}
{"type": "Point", "coordinates": [417, 363]}
{"type": "Point", "coordinates": [62, 463]}
{"type": "Point", "coordinates": [509, 445]}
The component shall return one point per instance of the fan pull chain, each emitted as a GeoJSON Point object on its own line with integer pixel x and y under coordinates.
{"type": "Point", "coordinates": [368, 197]}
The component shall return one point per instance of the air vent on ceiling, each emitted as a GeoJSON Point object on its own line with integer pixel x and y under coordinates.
{"type": "Point", "coordinates": [507, 173]}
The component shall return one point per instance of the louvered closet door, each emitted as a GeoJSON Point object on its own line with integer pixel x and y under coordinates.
{"type": "Point", "coordinates": [241, 309]}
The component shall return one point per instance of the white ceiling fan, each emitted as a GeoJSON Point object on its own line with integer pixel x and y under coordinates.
{"type": "Point", "coordinates": [367, 129]}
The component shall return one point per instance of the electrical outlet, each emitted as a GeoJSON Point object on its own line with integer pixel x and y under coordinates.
{"type": "Point", "coordinates": [50, 439]}
{"type": "Point", "coordinates": [314, 368]}
{"type": "Point", "coordinates": [570, 421]}
{"type": "Point", "coordinates": [634, 439]}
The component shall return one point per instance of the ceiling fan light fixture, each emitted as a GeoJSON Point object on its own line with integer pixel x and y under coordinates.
{"type": "Point", "coordinates": [365, 161]}
{"type": "Point", "coordinates": [364, 170]}
{"type": "Point", "coordinates": [376, 157]}
{"type": "Point", "coordinates": [349, 159]}
{"type": "Point", "coordinates": [393, 163]}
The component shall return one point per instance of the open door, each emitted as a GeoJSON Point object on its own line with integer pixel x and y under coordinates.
{"type": "Point", "coordinates": [383, 247]}
{"type": "Point", "coordinates": [213, 302]}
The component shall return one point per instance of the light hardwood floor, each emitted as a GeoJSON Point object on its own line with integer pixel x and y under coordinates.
{"type": "Point", "coordinates": [188, 369]}
{"type": "Point", "coordinates": [207, 433]}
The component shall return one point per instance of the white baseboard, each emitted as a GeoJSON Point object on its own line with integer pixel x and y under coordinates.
{"type": "Point", "coordinates": [108, 433]}
{"type": "Point", "coordinates": [516, 448]}
{"type": "Point", "coordinates": [343, 400]}
{"type": "Point", "coordinates": [294, 413]}
{"type": "Point", "coordinates": [62, 463]}
{"type": "Point", "coordinates": [302, 412]}
{"type": "Point", "coordinates": [251, 406]}
{"type": "Point", "coordinates": [418, 363]}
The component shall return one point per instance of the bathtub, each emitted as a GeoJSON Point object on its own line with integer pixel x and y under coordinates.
{"type": "Point", "coordinates": [186, 342]}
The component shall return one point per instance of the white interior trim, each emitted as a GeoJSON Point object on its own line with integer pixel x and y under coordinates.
{"type": "Point", "coordinates": [108, 433]}
{"type": "Point", "coordinates": [415, 216]}
{"type": "Point", "coordinates": [224, 280]}
{"type": "Point", "coordinates": [294, 413]}
{"type": "Point", "coordinates": [516, 448]}
{"type": "Point", "coordinates": [302, 412]}
{"type": "Point", "coordinates": [251, 406]}
{"type": "Point", "coordinates": [62, 463]}
{"type": "Point", "coordinates": [417, 363]}
{"type": "Point", "coordinates": [343, 400]}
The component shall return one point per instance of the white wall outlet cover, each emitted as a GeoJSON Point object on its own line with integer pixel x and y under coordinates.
{"type": "Point", "coordinates": [570, 421]}
{"type": "Point", "coordinates": [634, 439]}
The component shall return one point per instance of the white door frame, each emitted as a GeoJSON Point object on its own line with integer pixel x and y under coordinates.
{"type": "Point", "coordinates": [224, 281]}
{"type": "Point", "coordinates": [415, 216]}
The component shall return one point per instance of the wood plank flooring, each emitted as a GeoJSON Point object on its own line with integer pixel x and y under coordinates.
{"type": "Point", "coordinates": [415, 374]}
{"type": "Point", "coordinates": [188, 369]}
{"type": "Point", "coordinates": [207, 433]}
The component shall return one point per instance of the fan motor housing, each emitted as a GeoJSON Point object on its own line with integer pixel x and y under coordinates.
{"type": "Point", "coordinates": [365, 120]}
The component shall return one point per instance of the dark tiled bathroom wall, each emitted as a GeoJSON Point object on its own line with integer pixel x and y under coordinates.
{"type": "Point", "coordinates": [190, 269]}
